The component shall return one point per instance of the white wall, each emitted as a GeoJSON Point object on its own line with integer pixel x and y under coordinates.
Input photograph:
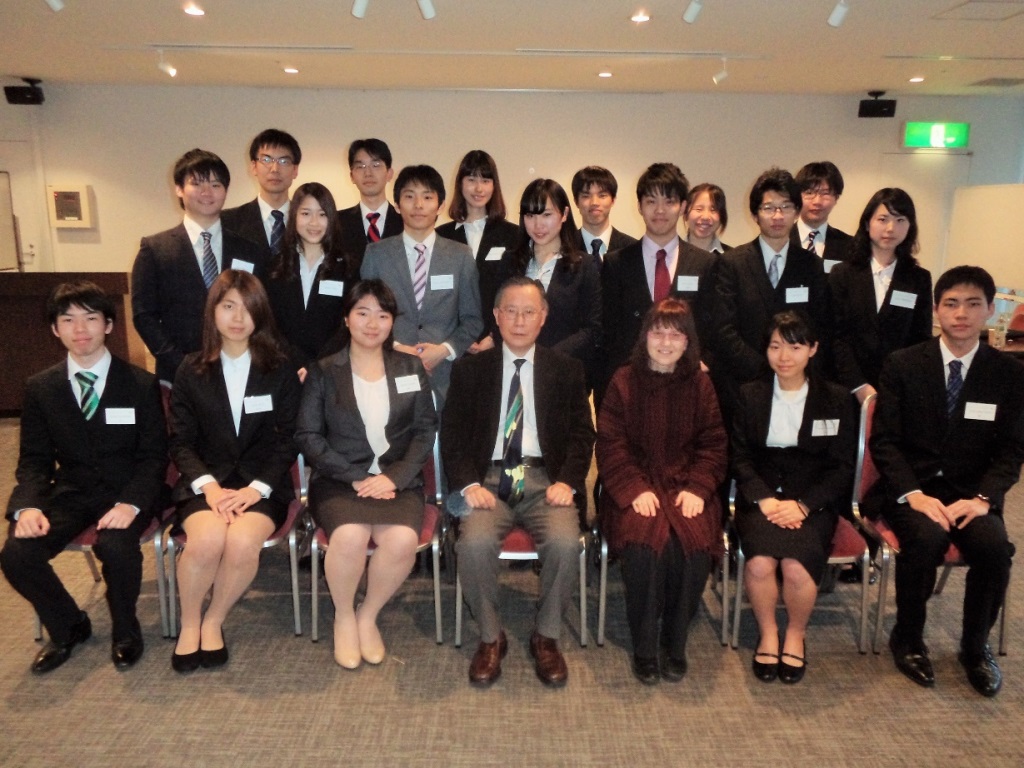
{"type": "Point", "coordinates": [124, 140]}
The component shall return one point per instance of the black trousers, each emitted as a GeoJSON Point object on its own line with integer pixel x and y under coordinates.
{"type": "Point", "coordinates": [984, 546]}
{"type": "Point", "coordinates": [26, 564]}
{"type": "Point", "coordinates": [666, 587]}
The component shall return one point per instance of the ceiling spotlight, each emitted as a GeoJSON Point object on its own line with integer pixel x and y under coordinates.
{"type": "Point", "coordinates": [835, 19]}
{"type": "Point", "coordinates": [917, 79]}
{"type": "Point", "coordinates": [720, 77]}
{"type": "Point", "coordinates": [426, 9]}
{"type": "Point", "coordinates": [604, 74]}
{"type": "Point", "coordinates": [166, 67]}
{"type": "Point", "coordinates": [291, 71]}
{"type": "Point", "coordinates": [640, 17]}
{"type": "Point", "coordinates": [359, 8]}
{"type": "Point", "coordinates": [55, 5]}
{"type": "Point", "coordinates": [692, 11]}
{"type": "Point", "coordinates": [192, 9]}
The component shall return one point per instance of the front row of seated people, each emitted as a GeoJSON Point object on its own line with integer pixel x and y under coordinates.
{"type": "Point", "coordinates": [516, 441]}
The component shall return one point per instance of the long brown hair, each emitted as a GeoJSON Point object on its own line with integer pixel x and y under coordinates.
{"type": "Point", "coordinates": [534, 200]}
{"type": "Point", "coordinates": [264, 345]}
{"type": "Point", "coordinates": [677, 315]}
{"type": "Point", "coordinates": [283, 265]}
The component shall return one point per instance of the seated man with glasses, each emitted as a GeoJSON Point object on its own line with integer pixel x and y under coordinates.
{"type": "Point", "coordinates": [821, 184]}
{"type": "Point", "coordinates": [373, 218]}
{"type": "Point", "coordinates": [758, 280]}
{"type": "Point", "coordinates": [274, 158]}
{"type": "Point", "coordinates": [516, 440]}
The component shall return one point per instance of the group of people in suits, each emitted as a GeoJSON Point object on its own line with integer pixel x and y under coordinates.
{"type": "Point", "coordinates": [286, 325]}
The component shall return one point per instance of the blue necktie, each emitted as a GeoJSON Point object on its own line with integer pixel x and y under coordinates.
{"type": "Point", "coordinates": [210, 270]}
{"type": "Point", "coordinates": [954, 385]}
{"type": "Point", "coordinates": [276, 232]}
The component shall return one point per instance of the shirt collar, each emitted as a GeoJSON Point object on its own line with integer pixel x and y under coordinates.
{"type": "Point", "coordinates": [768, 252]}
{"type": "Point", "coordinates": [236, 364]}
{"type": "Point", "coordinates": [804, 230]}
{"type": "Point", "coordinates": [878, 269]}
{"type": "Point", "coordinates": [101, 368]}
{"type": "Point", "coordinates": [363, 209]}
{"type": "Point", "coordinates": [410, 244]}
{"type": "Point", "coordinates": [508, 358]}
{"type": "Point", "coordinates": [266, 209]}
{"type": "Point", "coordinates": [605, 237]}
{"type": "Point", "coordinates": [195, 232]}
{"type": "Point", "coordinates": [967, 359]}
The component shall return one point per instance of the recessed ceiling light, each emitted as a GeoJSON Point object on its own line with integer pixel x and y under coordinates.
{"type": "Point", "coordinates": [192, 9]}
{"type": "Point", "coordinates": [291, 71]}
{"type": "Point", "coordinates": [917, 79]}
{"type": "Point", "coordinates": [640, 16]}
{"type": "Point", "coordinates": [604, 74]}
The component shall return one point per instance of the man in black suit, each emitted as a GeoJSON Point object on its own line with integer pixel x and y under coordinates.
{"type": "Point", "coordinates": [517, 439]}
{"type": "Point", "coordinates": [821, 184]}
{"type": "Point", "coordinates": [756, 281]}
{"type": "Point", "coordinates": [274, 158]}
{"type": "Point", "coordinates": [948, 440]}
{"type": "Point", "coordinates": [373, 218]}
{"type": "Point", "coordinates": [93, 452]}
{"type": "Point", "coordinates": [174, 269]}
{"type": "Point", "coordinates": [594, 189]}
{"type": "Point", "coordinates": [630, 279]}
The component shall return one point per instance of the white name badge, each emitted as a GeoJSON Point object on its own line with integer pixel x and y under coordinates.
{"type": "Point", "coordinates": [258, 404]}
{"type": "Point", "coordinates": [980, 411]}
{"type": "Point", "coordinates": [494, 254]}
{"type": "Point", "coordinates": [829, 263]}
{"type": "Point", "coordinates": [799, 295]}
{"type": "Point", "coordinates": [687, 282]}
{"type": "Point", "coordinates": [903, 299]}
{"type": "Point", "coordinates": [825, 428]}
{"type": "Point", "coordinates": [120, 415]}
{"type": "Point", "coordinates": [242, 266]}
{"type": "Point", "coordinates": [442, 282]}
{"type": "Point", "coordinates": [332, 287]}
{"type": "Point", "coordinates": [406, 384]}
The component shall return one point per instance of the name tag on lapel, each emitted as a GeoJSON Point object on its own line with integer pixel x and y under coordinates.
{"type": "Point", "coordinates": [258, 404]}
{"type": "Point", "coordinates": [242, 266]}
{"type": "Point", "coordinates": [120, 415]}
{"type": "Point", "coordinates": [799, 295]}
{"type": "Point", "coordinates": [332, 287]}
{"type": "Point", "coordinates": [687, 282]}
{"type": "Point", "coordinates": [442, 282]}
{"type": "Point", "coordinates": [903, 299]}
{"type": "Point", "coordinates": [829, 263]}
{"type": "Point", "coordinates": [494, 254]}
{"type": "Point", "coordinates": [406, 384]}
{"type": "Point", "coordinates": [980, 411]}
{"type": "Point", "coordinates": [825, 428]}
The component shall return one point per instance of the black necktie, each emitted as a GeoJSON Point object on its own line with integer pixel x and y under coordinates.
{"type": "Point", "coordinates": [510, 486]}
{"type": "Point", "coordinates": [595, 248]}
{"type": "Point", "coordinates": [276, 232]}
{"type": "Point", "coordinates": [954, 385]}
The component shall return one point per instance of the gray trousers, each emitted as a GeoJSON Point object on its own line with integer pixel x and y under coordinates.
{"type": "Point", "coordinates": [555, 531]}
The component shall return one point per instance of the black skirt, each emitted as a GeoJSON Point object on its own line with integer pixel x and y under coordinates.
{"type": "Point", "coordinates": [809, 544]}
{"type": "Point", "coordinates": [333, 503]}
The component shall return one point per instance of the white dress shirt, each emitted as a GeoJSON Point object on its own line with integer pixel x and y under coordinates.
{"type": "Point", "coordinates": [195, 236]}
{"type": "Point", "coordinates": [267, 214]}
{"type": "Point", "coordinates": [531, 442]}
{"type": "Point", "coordinates": [650, 251]}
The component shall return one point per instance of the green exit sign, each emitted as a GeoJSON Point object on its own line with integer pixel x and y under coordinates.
{"type": "Point", "coordinates": [937, 135]}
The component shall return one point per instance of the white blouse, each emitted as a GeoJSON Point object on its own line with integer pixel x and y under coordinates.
{"type": "Point", "coordinates": [374, 408]}
{"type": "Point", "coordinates": [787, 415]}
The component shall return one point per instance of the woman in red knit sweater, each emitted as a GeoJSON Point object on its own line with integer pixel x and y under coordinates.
{"type": "Point", "coordinates": [661, 454]}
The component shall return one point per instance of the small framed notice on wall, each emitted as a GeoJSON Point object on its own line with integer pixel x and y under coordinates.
{"type": "Point", "coordinates": [69, 206]}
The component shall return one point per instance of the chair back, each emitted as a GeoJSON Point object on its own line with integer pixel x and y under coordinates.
{"type": "Point", "coordinates": [866, 473]}
{"type": "Point", "coordinates": [1017, 321]}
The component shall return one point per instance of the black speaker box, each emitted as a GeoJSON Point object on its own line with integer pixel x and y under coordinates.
{"type": "Point", "coordinates": [23, 94]}
{"type": "Point", "coordinates": [877, 108]}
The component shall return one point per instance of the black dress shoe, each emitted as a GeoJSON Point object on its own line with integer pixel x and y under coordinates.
{"type": "Point", "coordinates": [982, 672]}
{"type": "Point", "coordinates": [124, 653]}
{"type": "Point", "coordinates": [766, 672]}
{"type": "Point", "coordinates": [673, 670]}
{"type": "Point", "coordinates": [912, 660]}
{"type": "Point", "coordinates": [646, 670]}
{"type": "Point", "coordinates": [789, 673]}
{"type": "Point", "coordinates": [215, 658]}
{"type": "Point", "coordinates": [184, 663]}
{"type": "Point", "coordinates": [54, 654]}
{"type": "Point", "coordinates": [852, 575]}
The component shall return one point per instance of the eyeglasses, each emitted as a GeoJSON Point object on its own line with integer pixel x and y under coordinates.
{"type": "Point", "coordinates": [374, 164]}
{"type": "Point", "coordinates": [768, 209]}
{"type": "Point", "coordinates": [664, 335]}
{"type": "Point", "coordinates": [823, 192]}
{"type": "Point", "coordinates": [268, 161]}
{"type": "Point", "coordinates": [512, 313]}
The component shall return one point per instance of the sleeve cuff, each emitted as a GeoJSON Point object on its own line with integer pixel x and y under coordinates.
{"type": "Point", "coordinates": [199, 482]}
{"type": "Point", "coordinates": [903, 499]}
{"type": "Point", "coordinates": [137, 510]}
{"type": "Point", "coordinates": [263, 488]}
{"type": "Point", "coordinates": [451, 351]}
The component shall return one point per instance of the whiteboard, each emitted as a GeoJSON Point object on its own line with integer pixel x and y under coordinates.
{"type": "Point", "coordinates": [987, 230]}
{"type": "Point", "coordinates": [8, 232]}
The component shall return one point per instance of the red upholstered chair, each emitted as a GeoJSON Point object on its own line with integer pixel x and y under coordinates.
{"type": "Point", "coordinates": [1017, 321]}
{"type": "Point", "coordinates": [888, 543]}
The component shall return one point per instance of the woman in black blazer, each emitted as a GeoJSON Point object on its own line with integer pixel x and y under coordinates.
{"type": "Point", "coordinates": [793, 444]}
{"type": "Point", "coordinates": [881, 264]}
{"type": "Point", "coordinates": [546, 251]}
{"type": "Point", "coordinates": [233, 412]}
{"type": "Point", "coordinates": [477, 202]}
{"type": "Point", "coordinates": [706, 218]}
{"type": "Point", "coordinates": [308, 311]}
{"type": "Point", "coordinates": [366, 426]}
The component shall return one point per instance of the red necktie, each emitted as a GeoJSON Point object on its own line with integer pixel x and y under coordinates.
{"type": "Point", "coordinates": [661, 278]}
{"type": "Point", "coordinates": [372, 232]}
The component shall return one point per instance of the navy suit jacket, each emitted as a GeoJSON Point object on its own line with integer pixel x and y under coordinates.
{"type": "Point", "coordinates": [103, 463]}
{"type": "Point", "coordinates": [247, 221]}
{"type": "Point", "coordinates": [169, 295]}
{"type": "Point", "coordinates": [498, 233]}
{"type": "Point", "coordinates": [617, 241]}
{"type": "Point", "coordinates": [353, 240]}
{"type": "Point", "coordinates": [836, 246]}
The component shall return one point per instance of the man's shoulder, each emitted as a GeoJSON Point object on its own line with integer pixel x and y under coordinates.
{"type": "Point", "coordinates": [48, 376]}
{"type": "Point", "coordinates": [141, 377]}
{"type": "Point", "coordinates": [619, 240]}
{"type": "Point", "coordinates": [834, 234]}
{"type": "Point", "coordinates": [161, 241]}
{"type": "Point", "coordinates": [231, 217]}
{"type": "Point", "coordinates": [694, 255]}
{"type": "Point", "coordinates": [447, 247]}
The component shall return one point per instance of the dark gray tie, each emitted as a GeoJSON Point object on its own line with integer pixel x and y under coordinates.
{"type": "Point", "coordinates": [954, 385]}
{"type": "Point", "coordinates": [595, 247]}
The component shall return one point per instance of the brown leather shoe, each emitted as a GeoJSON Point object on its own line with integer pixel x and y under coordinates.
{"type": "Point", "coordinates": [486, 665]}
{"type": "Point", "coordinates": [549, 662]}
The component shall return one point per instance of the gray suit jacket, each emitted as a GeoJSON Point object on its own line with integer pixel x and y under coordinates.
{"type": "Point", "coordinates": [449, 314]}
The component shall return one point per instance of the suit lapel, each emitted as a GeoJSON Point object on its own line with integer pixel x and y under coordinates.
{"type": "Point", "coordinates": [755, 266]}
{"type": "Point", "coordinates": [187, 257]}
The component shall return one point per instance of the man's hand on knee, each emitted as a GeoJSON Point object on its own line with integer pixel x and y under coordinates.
{"type": "Point", "coordinates": [119, 517]}
{"type": "Point", "coordinates": [32, 524]}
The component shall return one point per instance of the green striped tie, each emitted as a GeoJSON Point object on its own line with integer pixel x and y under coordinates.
{"type": "Point", "coordinates": [90, 400]}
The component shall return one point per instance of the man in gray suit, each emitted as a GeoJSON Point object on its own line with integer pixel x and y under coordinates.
{"type": "Point", "coordinates": [434, 279]}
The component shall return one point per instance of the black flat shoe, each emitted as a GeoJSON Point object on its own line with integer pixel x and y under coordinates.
{"type": "Point", "coordinates": [673, 670]}
{"type": "Point", "coordinates": [765, 672]}
{"type": "Point", "coordinates": [646, 670]}
{"type": "Point", "coordinates": [54, 654]}
{"type": "Point", "coordinates": [787, 672]}
{"type": "Point", "coordinates": [183, 663]}
{"type": "Point", "coordinates": [216, 658]}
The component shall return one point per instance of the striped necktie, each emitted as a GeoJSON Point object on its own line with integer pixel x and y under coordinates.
{"type": "Point", "coordinates": [210, 270]}
{"type": "Point", "coordinates": [89, 401]}
{"type": "Point", "coordinates": [954, 385]}
{"type": "Point", "coordinates": [372, 233]}
{"type": "Point", "coordinates": [811, 237]}
{"type": "Point", "coordinates": [510, 486]}
{"type": "Point", "coordinates": [276, 232]}
{"type": "Point", "coordinates": [419, 278]}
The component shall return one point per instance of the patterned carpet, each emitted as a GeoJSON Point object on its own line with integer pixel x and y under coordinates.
{"type": "Point", "coordinates": [282, 701]}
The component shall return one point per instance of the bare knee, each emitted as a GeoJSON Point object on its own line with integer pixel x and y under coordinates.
{"type": "Point", "coordinates": [761, 568]}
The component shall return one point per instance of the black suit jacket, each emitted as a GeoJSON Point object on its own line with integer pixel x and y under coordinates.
{"type": "Point", "coordinates": [203, 439]}
{"type": "Point", "coordinates": [331, 433]}
{"type": "Point", "coordinates": [169, 295]}
{"type": "Point", "coordinates": [62, 453]}
{"type": "Point", "coordinates": [617, 241]}
{"type": "Point", "coordinates": [247, 221]}
{"type": "Point", "coordinates": [819, 470]}
{"type": "Point", "coordinates": [353, 240]}
{"type": "Point", "coordinates": [913, 439]}
{"type": "Point", "coordinates": [626, 298]}
{"type": "Point", "coordinates": [498, 233]}
{"type": "Point", "coordinates": [475, 403]}
{"type": "Point", "coordinates": [863, 336]}
{"type": "Point", "coordinates": [837, 243]}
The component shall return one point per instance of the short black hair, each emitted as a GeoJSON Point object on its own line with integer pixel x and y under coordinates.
{"type": "Point", "coordinates": [84, 294]}
{"type": "Point", "coordinates": [272, 137]}
{"type": "Point", "coordinates": [775, 180]}
{"type": "Point", "coordinates": [520, 281]}
{"type": "Point", "coordinates": [203, 165]}
{"type": "Point", "coordinates": [593, 175]}
{"type": "Point", "coordinates": [794, 327]}
{"type": "Point", "coordinates": [375, 148]}
{"type": "Point", "coordinates": [665, 178]}
{"type": "Point", "coordinates": [965, 275]}
{"type": "Point", "coordinates": [812, 174]}
{"type": "Point", "coordinates": [717, 195]}
{"type": "Point", "coordinates": [384, 296]}
{"type": "Point", "coordinates": [420, 174]}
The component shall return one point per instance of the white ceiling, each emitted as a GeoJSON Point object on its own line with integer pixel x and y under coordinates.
{"type": "Point", "coordinates": [771, 46]}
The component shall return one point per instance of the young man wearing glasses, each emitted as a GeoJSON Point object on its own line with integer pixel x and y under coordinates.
{"type": "Point", "coordinates": [373, 218]}
{"type": "Point", "coordinates": [821, 185]}
{"type": "Point", "coordinates": [274, 158]}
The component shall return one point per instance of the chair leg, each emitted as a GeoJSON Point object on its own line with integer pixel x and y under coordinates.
{"type": "Point", "coordinates": [458, 609]}
{"type": "Point", "coordinates": [941, 584]}
{"type": "Point", "coordinates": [1002, 622]}
{"type": "Point", "coordinates": [602, 600]}
{"type": "Point", "coordinates": [865, 581]}
{"type": "Point", "coordinates": [583, 590]}
{"type": "Point", "coordinates": [161, 582]}
{"type": "Point", "coordinates": [314, 569]}
{"type": "Point", "coordinates": [293, 556]}
{"type": "Point", "coordinates": [172, 587]}
{"type": "Point", "coordinates": [726, 554]}
{"type": "Point", "coordinates": [737, 598]}
{"type": "Point", "coordinates": [883, 585]}
{"type": "Point", "coordinates": [38, 629]}
{"type": "Point", "coordinates": [435, 551]}
{"type": "Point", "coordinates": [92, 565]}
